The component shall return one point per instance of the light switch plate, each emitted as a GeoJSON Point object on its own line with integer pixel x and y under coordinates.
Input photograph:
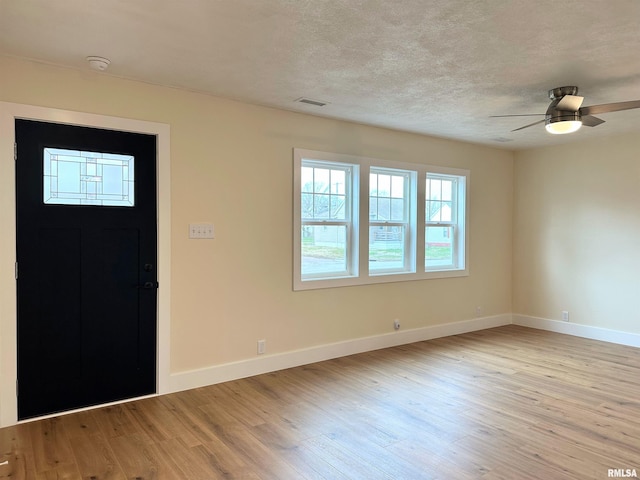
{"type": "Point", "coordinates": [201, 230]}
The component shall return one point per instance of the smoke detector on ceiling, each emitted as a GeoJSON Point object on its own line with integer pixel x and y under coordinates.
{"type": "Point", "coordinates": [98, 63]}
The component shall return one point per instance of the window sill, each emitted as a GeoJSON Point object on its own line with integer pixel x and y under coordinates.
{"type": "Point", "coordinates": [300, 285]}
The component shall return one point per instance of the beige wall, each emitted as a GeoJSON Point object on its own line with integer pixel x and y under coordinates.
{"type": "Point", "coordinates": [231, 164]}
{"type": "Point", "coordinates": [577, 233]}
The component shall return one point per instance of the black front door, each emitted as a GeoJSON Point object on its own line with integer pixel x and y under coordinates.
{"type": "Point", "coordinates": [86, 271]}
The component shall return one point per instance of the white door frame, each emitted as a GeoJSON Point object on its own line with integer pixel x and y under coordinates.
{"type": "Point", "coordinates": [8, 295]}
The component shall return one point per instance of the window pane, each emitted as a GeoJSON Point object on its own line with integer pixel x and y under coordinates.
{"type": "Point", "coordinates": [338, 211]}
{"type": "Point", "coordinates": [321, 180]}
{"type": "Point", "coordinates": [373, 184]}
{"type": "Point", "coordinates": [306, 179]}
{"type": "Point", "coordinates": [447, 190]}
{"type": "Point", "coordinates": [306, 205]}
{"type": "Point", "coordinates": [397, 186]}
{"type": "Point", "coordinates": [386, 248]}
{"type": "Point", "coordinates": [435, 189]}
{"type": "Point", "coordinates": [445, 211]}
{"type": "Point", "coordinates": [384, 209]}
{"type": "Point", "coordinates": [337, 182]}
{"type": "Point", "coordinates": [384, 185]}
{"type": "Point", "coordinates": [73, 177]}
{"type": "Point", "coordinates": [438, 246]}
{"type": "Point", "coordinates": [397, 209]}
{"type": "Point", "coordinates": [373, 208]}
{"type": "Point", "coordinates": [321, 206]}
{"type": "Point", "coordinates": [432, 211]}
{"type": "Point", "coordinates": [323, 249]}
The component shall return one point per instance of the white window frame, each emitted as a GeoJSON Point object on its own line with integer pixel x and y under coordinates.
{"type": "Point", "coordinates": [457, 222]}
{"type": "Point", "coordinates": [350, 207]}
{"type": "Point", "coordinates": [358, 241]}
{"type": "Point", "coordinates": [329, 160]}
{"type": "Point", "coordinates": [409, 222]}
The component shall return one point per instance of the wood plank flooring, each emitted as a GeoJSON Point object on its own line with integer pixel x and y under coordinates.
{"type": "Point", "coordinates": [505, 403]}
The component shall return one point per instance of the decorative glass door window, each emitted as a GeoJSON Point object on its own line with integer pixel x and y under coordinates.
{"type": "Point", "coordinates": [73, 177]}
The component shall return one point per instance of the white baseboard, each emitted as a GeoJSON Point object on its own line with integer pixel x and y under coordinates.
{"type": "Point", "coordinates": [585, 331]}
{"type": "Point", "coordinates": [270, 363]}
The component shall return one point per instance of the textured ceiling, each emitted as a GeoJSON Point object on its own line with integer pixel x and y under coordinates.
{"type": "Point", "coordinates": [438, 67]}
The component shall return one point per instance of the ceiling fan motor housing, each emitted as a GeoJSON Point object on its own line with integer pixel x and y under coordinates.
{"type": "Point", "coordinates": [554, 115]}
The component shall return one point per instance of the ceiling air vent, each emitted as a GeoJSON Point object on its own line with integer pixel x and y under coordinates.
{"type": "Point", "coordinates": [309, 101]}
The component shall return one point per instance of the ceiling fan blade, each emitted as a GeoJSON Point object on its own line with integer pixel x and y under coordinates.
{"type": "Point", "coordinates": [610, 107]}
{"type": "Point", "coordinates": [530, 125]}
{"type": "Point", "coordinates": [570, 103]}
{"type": "Point", "coordinates": [519, 115]}
{"type": "Point", "coordinates": [591, 121]}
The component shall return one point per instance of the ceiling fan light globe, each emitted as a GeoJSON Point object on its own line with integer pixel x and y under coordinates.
{"type": "Point", "coordinates": [566, 126]}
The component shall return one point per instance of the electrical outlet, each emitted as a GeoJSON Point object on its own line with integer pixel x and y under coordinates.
{"type": "Point", "coordinates": [396, 324]}
{"type": "Point", "coordinates": [565, 316]}
{"type": "Point", "coordinates": [478, 311]}
{"type": "Point", "coordinates": [262, 346]}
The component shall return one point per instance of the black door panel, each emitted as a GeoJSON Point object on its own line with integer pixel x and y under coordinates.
{"type": "Point", "coordinates": [86, 331]}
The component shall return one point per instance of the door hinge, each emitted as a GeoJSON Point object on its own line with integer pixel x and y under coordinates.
{"type": "Point", "coordinates": [17, 387]}
{"type": "Point", "coordinates": [15, 151]}
{"type": "Point", "coordinates": [16, 270]}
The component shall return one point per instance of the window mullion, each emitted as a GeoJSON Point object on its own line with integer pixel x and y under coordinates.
{"type": "Point", "coordinates": [363, 245]}
{"type": "Point", "coordinates": [421, 216]}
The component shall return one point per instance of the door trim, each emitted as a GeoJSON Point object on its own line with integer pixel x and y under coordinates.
{"type": "Point", "coordinates": [8, 311]}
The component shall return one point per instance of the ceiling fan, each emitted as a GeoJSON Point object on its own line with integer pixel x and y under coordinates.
{"type": "Point", "coordinates": [566, 113]}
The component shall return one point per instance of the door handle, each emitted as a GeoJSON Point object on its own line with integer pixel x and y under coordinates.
{"type": "Point", "coordinates": [148, 285]}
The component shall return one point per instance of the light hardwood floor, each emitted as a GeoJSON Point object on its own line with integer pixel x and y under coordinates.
{"type": "Point", "coordinates": [505, 403]}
